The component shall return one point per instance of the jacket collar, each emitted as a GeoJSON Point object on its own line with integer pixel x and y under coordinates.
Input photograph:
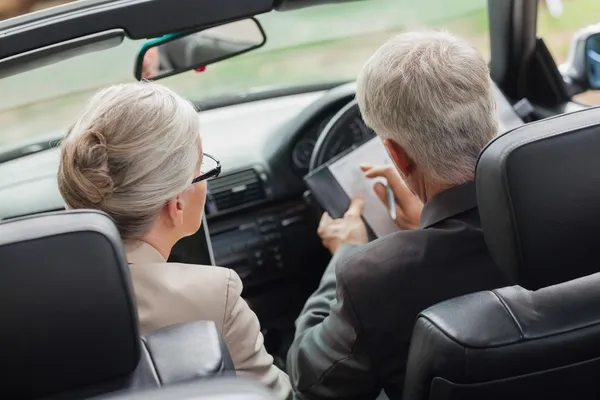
{"type": "Point", "coordinates": [141, 252]}
{"type": "Point", "coordinates": [449, 203]}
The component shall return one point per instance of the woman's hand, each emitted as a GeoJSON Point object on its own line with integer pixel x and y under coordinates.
{"type": "Point", "coordinates": [350, 229]}
{"type": "Point", "coordinates": [408, 205]}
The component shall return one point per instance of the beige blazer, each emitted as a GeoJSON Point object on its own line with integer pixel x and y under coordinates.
{"type": "Point", "coordinates": [171, 293]}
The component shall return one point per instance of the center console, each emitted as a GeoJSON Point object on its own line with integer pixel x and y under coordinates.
{"type": "Point", "coordinates": [261, 246]}
{"type": "Point", "coordinates": [266, 245]}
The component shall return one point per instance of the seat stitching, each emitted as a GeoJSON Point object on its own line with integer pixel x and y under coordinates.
{"type": "Point", "coordinates": [152, 363]}
{"type": "Point", "coordinates": [509, 312]}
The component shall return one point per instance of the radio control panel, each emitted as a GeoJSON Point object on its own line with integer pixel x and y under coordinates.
{"type": "Point", "coordinates": [263, 245]}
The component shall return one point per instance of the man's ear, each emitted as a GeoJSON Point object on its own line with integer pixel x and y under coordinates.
{"type": "Point", "coordinates": [399, 157]}
{"type": "Point", "coordinates": [174, 211]}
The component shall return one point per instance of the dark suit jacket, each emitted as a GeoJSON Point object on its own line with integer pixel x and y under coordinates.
{"type": "Point", "coordinates": [352, 340]}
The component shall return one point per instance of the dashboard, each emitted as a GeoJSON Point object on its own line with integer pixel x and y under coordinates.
{"type": "Point", "coordinates": [256, 219]}
{"type": "Point", "coordinates": [356, 131]}
{"type": "Point", "coordinates": [303, 149]}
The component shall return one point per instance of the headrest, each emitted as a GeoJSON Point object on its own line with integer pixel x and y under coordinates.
{"type": "Point", "coordinates": [538, 190]}
{"type": "Point", "coordinates": [66, 305]}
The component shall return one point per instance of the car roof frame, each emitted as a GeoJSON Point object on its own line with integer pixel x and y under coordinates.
{"type": "Point", "coordinates": [139, 19]}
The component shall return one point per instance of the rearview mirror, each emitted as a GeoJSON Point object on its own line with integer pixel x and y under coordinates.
{"type": "Point", "coordinates": [176, 53]}
{"type": "Point", "coordinates": [592, 47]}
{"type": "Point", "coordinates": [581, 71]}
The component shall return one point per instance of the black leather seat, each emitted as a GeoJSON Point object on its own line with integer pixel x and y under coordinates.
{"type": "Point", "coordinates": [69, 321]}
{"type": "Point", "coordinates": [218, 388]}
{"type": "Point", "coordinates": [538, 189]}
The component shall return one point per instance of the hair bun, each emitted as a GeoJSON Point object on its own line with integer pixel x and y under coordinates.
{"type": "Point", "coordinates": [87, 164]}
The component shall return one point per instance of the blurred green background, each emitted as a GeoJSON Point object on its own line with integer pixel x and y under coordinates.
{"type": "Point", "coordinates": [318, 44]}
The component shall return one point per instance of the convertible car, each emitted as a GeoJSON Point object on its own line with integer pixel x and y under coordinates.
{"type": "Point", "coordinates": [271, 122]}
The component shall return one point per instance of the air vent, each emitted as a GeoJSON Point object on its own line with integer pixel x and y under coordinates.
{"type": "Point", "coordinates": [234, 190]}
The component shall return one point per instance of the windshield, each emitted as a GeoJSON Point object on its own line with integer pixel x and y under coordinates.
{"type": "Point", "coordinates": [314, 45]}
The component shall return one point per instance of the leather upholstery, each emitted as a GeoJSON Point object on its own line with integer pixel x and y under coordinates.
{"type": "Point", "coordinates": [538, 193]}
{"type": "Point", "coordinates": [509, 343]}
{"type": "Point", "coordinates": [69, 322]}
{"type": "Point", "coordinates": [538, 190]}
{"type": "Point", "coordinates": [226, 388]}
{"type": "Point", "coordinates": [66, 306]}
{"type": "Point", "coordinates": [183, 353]}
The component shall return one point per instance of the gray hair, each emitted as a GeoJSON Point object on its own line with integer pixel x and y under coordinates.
{"type": "Point", "coordinates": [430, 92]}
{"type": "Point", "coordinates": [133, 148]}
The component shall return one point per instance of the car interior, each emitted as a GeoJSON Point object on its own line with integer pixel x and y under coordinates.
{"type": "Point", "coordinates": [230, 388]}
{"type": "Point", "coordinates": [75, 327]}
{"type": "Point", "coordinates": [535, 340]}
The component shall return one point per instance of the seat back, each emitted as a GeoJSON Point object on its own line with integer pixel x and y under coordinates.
{"type": "Point", "coordinates": [218, 388]}
{"type": "Point", "coordinates": [538, 190]}
{"type": "Point", "coordinates": [509, 343]}
{"type": "Point", "coordinates": [539, 199]}
{"type": "Point", "coordinates": [68, 314]}
{"type": "Point", "coordinates": [69, 319]}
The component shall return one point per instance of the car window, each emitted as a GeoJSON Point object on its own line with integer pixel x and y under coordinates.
{"type": "Point", "coordinates": [313, 45]}
{"type": "Point", "coordinates": [557, 21]}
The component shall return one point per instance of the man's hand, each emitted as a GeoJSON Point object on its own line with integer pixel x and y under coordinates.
{"type": "Point", "coordinates": [350, 229]}
{"type": "Point", "coordinates": [408, 205]}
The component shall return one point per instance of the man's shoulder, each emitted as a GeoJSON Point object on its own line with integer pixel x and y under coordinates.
{"type": "Point", "coordinates": [398, 250]}
{"type": "Point", "coordinates": [414, 255]}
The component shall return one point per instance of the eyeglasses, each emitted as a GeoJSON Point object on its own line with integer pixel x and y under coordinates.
{"type": "Point", "coordinates": [210, 168]}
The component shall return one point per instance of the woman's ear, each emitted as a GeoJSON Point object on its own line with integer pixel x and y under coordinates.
{"type": "Point", "coordinates": [174, 211]}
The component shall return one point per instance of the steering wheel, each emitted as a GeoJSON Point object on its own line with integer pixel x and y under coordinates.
{"type": "Point", "coordinates": [345, 130]}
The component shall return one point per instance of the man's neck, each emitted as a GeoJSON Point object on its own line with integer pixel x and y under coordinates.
{"type": "Point", "coordinates": [430, 190]}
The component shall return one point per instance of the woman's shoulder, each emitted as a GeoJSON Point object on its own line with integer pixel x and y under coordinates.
{"type": "Point", "coordinates": [204, 271]}
{"type": "Point", "coordinates": [198, 268]}
{"type": "Point", "coordinates": [189, 277]}
{"type": "Point", "coordinates": [172, 293]}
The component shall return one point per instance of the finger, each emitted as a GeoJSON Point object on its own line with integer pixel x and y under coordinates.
{"type": "Point", "coordinates": [325, 219]}
{"type": "Point", "coordinates": [328, 222]}
{"type": "Point", "coordinates": [381, 192]}
{"type": "Point", "coordinates": [401, 191]}
{"type": "Point", "coordinates": [384, 171]}
{"type": "Point", "coordinates": [356, 207]}
{"type": "Point", "coordinates": [329, 232]}
{"type": "Point", "coordinates": [365, 167]}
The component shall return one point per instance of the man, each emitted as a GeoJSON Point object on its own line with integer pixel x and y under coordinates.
{"type": "Point", "coordinates": [428, 97]}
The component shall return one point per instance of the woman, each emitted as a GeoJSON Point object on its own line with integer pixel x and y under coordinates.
{"type": "Point", "coordinates": [135, 153]}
